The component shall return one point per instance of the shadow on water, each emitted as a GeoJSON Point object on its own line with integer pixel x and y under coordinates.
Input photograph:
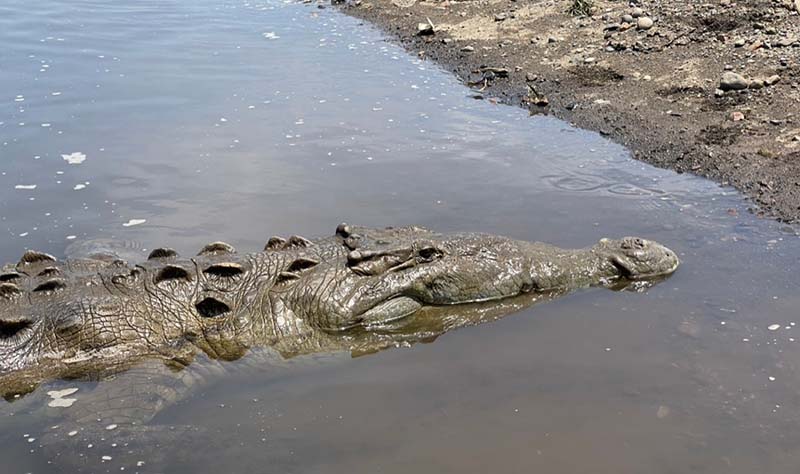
{"type": "Point", "coordinates": [188, 122]}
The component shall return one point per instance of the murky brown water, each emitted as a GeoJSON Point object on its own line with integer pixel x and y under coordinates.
{"type": "Point", "coordinates": [230, 120]}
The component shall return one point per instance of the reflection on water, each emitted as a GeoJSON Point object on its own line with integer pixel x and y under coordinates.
{"type": "Point", "coordinates": [239, 120]}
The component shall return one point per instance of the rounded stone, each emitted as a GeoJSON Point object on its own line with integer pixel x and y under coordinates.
{"type": "Point", "coordinates": [644, 23]}
{"type": "Point", "coordinates": [731, 81]}
{"type": "Point", "coordinates": [637, 12]}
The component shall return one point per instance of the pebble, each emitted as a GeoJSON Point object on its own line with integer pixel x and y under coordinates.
{"type": "Point", "coordinates": [637, 12]}
{"type": "Point", "coordinates": [424, 29]}
{"type": "Point", "coordinates": [644, 23]}
{"type": "Point", "coordinates": [731, 81]}
{"type": "Point", "coordinates": [627, 18]}
{"type": "Point", "coordinates": [772, 80]}
{"type": "Point", "coordinates": [774, 327]}
{"type": "Point", "coordinates": [737, 116]}
{"type": "Point", "coordinates": [739, 42]}
{"type": "Point", "coordinates": [468, 49]}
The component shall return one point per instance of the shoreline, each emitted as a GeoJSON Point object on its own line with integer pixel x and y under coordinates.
{"type": "Point", "coordinates": [649, 77]}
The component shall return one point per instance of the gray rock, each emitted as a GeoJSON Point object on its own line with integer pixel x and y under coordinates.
{"type": "Point", "coordinates": [733, 82]}
{"type": "Point", "coordinates": [627, 18]}
{"type": "Point", "coordinates": [644, 23]}
{"type": "Point", "coordinates": [637, 12]}
{"type": "Point", "coordinates": [772, 80]}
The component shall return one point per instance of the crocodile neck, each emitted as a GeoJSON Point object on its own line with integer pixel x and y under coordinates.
{"type": "Point", "coordinates": [572, 269]}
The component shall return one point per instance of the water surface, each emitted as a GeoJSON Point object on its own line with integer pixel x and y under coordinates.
{"type": "Point", "coordinates": [171, 123]}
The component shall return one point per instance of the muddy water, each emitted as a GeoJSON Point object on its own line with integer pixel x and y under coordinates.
{"type": "Point", "coordinates": [177, 123]}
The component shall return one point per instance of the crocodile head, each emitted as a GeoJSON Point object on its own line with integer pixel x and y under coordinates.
{"type": "Point", "coordinates": [393, 273]}
{"type": "Point", "coordinates": [635, 258]}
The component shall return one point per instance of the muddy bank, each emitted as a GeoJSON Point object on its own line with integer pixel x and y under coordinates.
{"type": "Point", "coordinates": [709, 88]}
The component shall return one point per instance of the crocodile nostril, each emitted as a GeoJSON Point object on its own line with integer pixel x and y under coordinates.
{"type": "Point", "coordinates": [211, 308]}
{"type": "Point", "coordinates": [10, 329]}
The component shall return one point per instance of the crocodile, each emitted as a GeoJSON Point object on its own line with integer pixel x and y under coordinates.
{"type": "Point", "coordinates": [98, 313]}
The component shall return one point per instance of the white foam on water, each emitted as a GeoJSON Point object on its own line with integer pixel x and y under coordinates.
{"type": "Point", "coordinates": [74, 158]}
{"type": "Point", "coordinates": [134, 222]}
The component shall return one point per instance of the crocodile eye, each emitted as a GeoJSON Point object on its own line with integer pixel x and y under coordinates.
{"type": "Point", "coordinates": [632, 243]}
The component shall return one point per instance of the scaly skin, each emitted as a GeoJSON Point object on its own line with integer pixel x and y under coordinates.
{"type": "Point", "coordinates": [58, 319]}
